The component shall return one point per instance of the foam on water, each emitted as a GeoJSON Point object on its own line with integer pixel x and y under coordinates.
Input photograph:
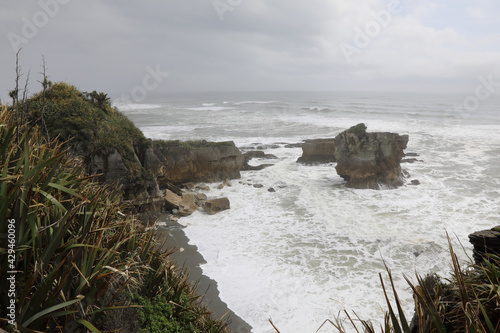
{"type": "Point", "coordinates": [313, 247]}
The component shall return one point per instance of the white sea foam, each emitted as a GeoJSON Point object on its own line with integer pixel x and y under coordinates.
{"type": "Point", "coordinates": [135, 106]}
{"type": "Point", "coordinates": [209, 108]}
{"type": "Point", "coordinates": [313, 247]}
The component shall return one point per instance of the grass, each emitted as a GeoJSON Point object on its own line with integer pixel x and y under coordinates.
{"type": "Point", "coordinates": [77, 256]}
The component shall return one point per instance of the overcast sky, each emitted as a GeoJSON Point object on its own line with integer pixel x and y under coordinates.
{"type": "Point", "coordinates": [117, 46]}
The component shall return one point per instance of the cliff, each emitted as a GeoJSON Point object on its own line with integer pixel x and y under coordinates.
{"type": "Point", "coordinates": [201, 161]}
{"type": "Point", "coordinates": [113, 148]}
{"type": "Point", "coordinates": [369, 160]}
{"type": "Point", "coordinates": [317, 151]}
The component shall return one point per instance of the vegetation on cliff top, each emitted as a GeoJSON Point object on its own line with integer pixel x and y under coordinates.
{"type": "Point", "coordinates": [81, 264]}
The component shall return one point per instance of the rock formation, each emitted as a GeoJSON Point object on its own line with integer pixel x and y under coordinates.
{"type": "Point", "coordinates": [369, 160]}
{"type": "Point", "coordinates": [201, 162]}
{"type": "Point", "coordinates": [256, 154]}
{"type": "Point", "coordinates": [148, 170]}
{"type": "Point", "coordinates": [485, 241]}
{"type": "Point", "coordinates": [317, 151]}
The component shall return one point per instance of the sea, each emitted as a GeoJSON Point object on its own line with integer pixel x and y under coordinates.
{"type": "Point", "coordinates": [300, 248]}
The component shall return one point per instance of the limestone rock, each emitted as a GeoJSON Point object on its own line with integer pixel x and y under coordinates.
{"type": "Point", "coordinates": [201, 198]}
{"type": "Point", "coordinates": [188, 204]}
{"type": "Point", "coordinates": [172, 200]}
{"type": "Point", "coordinates": [317, 151]}
{"type": "Point", "coordinates": [199, 162]}
{"type": "Point", "coordinates": [369, 160]}
{"type": "Point", "coordinates": [485, 241]}
{"type": "Point", "coordinates": [214, 206]}
{"type": "Point", "coordinates": [256, 154]}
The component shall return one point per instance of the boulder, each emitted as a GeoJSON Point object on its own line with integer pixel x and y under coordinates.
{"type": "Point", "coordinates": [370, 160]}
{"type": "Point", "coordinates": [172, 200]}
{"type": "Point", "coordinates": [201, 198]}
{"type": "Point", "coordinates": [317, 151]}
{"type": "Point", "coordinates": [188, 204]}
{"type": "Point", "coordinates": [214, 206]}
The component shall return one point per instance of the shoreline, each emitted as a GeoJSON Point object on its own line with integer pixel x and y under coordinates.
{"type": "Point", "coordinates": [187, 256]}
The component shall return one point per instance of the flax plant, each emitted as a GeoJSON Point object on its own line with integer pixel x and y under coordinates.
{"type": "Point", "coordinates": [74, 251]}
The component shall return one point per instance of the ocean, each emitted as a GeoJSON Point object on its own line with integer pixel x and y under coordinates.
{"type": "Point", "coordinates": [312, 248]}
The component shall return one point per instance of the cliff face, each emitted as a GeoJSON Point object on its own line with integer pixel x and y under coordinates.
{"type": "Point", "coordinates": [317, 151]}
{"type": "Point", "coordinates": [153, 168]}
{"type": "Point", "coordinates": [115, 149]}
{"type": "Point", "coordinates": [368, 160]}
{"type": "Point", "coordinates": [203, 161]}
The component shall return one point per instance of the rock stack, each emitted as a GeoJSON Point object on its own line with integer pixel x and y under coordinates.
{"type": "Point", "coordinates": [370, 160]}
{"type": "Point", "coordinates": [485, 241]}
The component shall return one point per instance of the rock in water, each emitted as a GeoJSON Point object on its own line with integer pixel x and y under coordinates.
{"type": "Point", "coordinates": [317, 151]}
{"type": "Point", "coordinates": [484, 242]}
{"type": "Point", "coordinates": [213, 206]}
{"type": "Point", "coordinates": [370, 160]}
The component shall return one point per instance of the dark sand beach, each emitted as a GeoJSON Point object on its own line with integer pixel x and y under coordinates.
{"type": "Point", "coordinates": [188, 256]}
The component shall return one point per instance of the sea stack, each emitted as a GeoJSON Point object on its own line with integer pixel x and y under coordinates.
{"type": "Point", "coordinates": [370, 160]}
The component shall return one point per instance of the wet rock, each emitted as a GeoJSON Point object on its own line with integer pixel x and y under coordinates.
{"type": "Point", "coordinates": [248, 167]}
{"type": "Point", "coordinates": [293, 145]}
{"type": "Point", "coordinates": [226, 183]}
{"type": "Point", "coordinates": [201, 198]}
{"type": "Point", "coordinates": [188, 204]}
{"type": "Point", "coordinates": [258, 185]}
{"type": "Point", "coordinates": [317, 151]}
{"type": "Point", "coordinates": [256, 154]}
{"type": "Point", "coordinates": [484, 242]}
{"type": "Point", "coordinates": [370, 160]}
{"type": "Point", "coordinates": [415, 182]}
{"type": "Point", "coordinates": [214, 206]}
{"type": "Point", "coordinates": [271, 189]}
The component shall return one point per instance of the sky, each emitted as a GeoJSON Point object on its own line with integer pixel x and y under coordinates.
{"type": "Point", "coordinates": [137, 47]}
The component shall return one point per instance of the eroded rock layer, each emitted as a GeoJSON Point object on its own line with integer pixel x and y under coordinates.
{"type": "Point", "coordinates": [370, 160]}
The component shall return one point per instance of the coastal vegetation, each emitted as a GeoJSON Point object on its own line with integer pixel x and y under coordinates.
{"type": "Point", "coordinates": [80, 263]}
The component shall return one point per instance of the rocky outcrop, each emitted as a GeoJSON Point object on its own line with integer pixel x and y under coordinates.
{"type": "Point", "coordinates": [484, 242]}
{"type": "Point", "coordinates": [198, 162]}
{"type": "Point", "coordinates": [147, 170]}
{"type": "Point", "coordinates": [370, 160]}
{"type": "Point", "coordinates": [317, 151]}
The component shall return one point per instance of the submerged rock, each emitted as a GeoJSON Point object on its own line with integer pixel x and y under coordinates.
{"type": "Point", "coordinates": [317, 151]}
{"type": "Point", "coordinates": [370, 160]}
